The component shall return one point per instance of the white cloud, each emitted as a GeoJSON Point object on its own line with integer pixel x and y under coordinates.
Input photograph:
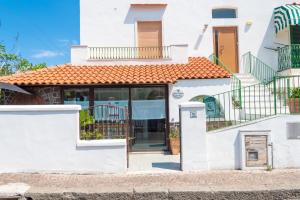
{"type": "Point", "coordinates": [47, 54]}
{"type": "Point", "coordinates": [67, 42]}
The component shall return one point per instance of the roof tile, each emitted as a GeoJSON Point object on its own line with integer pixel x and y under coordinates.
{"type": "Point", "coordinates": [196, 68]}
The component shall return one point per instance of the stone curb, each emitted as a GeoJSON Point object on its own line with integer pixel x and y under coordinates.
{"type": "Point", "coordinates": [169, 195]}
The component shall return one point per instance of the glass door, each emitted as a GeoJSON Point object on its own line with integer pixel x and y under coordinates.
{"type": "Point", "coordinates": [148, 112]}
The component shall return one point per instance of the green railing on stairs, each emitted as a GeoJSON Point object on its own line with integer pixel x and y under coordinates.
{"type": "Point", "coordinates": [289, 57]}
{"type": "Point", "coordinates": [280, 96]}
{"type": "Point", "coordinates": [236, 83]}
{"type": "Point", "coordinates": [261, 71]}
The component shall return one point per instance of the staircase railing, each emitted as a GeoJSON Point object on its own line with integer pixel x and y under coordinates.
{"type": "Point", "coordinates": [280, 96]}
{"type": "Point", "coordinates": [258, 68]}
{"type": "Point", "coordinates": [236, 83]}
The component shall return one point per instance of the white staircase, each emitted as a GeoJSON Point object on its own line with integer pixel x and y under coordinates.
{"type": "Point", "coordinates": [258, 99]}
{"type": "Point", "coordinates": [247, 79]}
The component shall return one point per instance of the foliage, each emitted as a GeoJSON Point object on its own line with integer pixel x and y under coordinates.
{"type": "Point", "coordinates": [236, 103]}
{"type": "Point", "coordinates": [174, 132]}
{"type": "Point", "coordinates": [119, 137]}
{"type": "Point", "coordinates": [295, 93]}
{"type": "Point", "coordinates": [269, 168]}
{"type": "Point", "coordinates": [86, 118]}
{"type": "Point", "coordinates": [91, 135]}
{"type": "Point", "coordinates": [12, 63]}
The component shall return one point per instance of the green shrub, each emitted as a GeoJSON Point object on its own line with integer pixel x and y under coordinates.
{"type": "Point", "coordinates": [86, 118]}
{"type": "Point", "coordinates": [119, 137]}
{"type": "Point", "coordinates": [91, 135]}
{"type": "Point", "coordinates": [174, 132]}
{"type": "Point", "coordinates": [295, 93]}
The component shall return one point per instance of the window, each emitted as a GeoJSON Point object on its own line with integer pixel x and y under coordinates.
{"type": "Point", "coordinates": [111, 96]}
{"type": "Point", "coordinates": [77, 96]}
{"type": "Point", "coordinates": [224, 13]}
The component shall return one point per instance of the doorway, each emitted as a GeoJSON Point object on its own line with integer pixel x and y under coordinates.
{"type": "Point", "coordinates": [225, 41]}
{"type": "Point", "coordinates": [148, 119]}
{"type": "Point", "coordinates": [149, 39]}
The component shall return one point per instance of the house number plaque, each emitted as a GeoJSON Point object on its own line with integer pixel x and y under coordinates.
{"type": "Point", "coordinates": [193, 114]}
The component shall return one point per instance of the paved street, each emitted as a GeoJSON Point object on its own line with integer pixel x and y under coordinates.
{"type": "Point", "coordinates": [214, 181]}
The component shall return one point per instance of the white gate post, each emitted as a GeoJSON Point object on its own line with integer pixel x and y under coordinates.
{"type": "Point", "coordinates": [193, 136]}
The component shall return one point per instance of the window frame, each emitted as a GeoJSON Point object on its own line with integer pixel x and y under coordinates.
{"type": "Point", "coordinates": [223, 9]}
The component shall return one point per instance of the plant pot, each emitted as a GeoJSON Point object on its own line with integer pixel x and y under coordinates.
{"type": "Point", "coordinates": [175, 146]}
{"type": "Point", "coordinates": [294, 105]}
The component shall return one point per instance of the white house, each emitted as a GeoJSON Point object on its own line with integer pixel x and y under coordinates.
{"type": "Point", "coordinates": [150, 56]}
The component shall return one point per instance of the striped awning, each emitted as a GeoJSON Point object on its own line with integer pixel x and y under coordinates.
{"type": "Point", "coordinates": [286, 15]}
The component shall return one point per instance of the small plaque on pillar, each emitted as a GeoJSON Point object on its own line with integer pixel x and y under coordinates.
{"type": "Point", "coordinates": [193, 114]}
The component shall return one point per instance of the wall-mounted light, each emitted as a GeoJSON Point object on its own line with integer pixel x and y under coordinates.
{"type": "Point", "coordinates": [249, 22]}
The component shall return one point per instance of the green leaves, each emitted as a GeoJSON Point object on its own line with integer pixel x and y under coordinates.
{"type": "Point", "coordinates": [86, 118]}
{"type": "Point", "coordinates": [295, 93]}
{"type": "Point", "coordinates": [12, 63]}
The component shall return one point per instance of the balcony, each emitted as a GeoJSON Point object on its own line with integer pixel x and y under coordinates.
{"type": "Point", "coordinates": [83, 54]}
{"type": "Point", "coordinates": [112, 53]}
{"type": "Point", "coordinates": [289, 57]}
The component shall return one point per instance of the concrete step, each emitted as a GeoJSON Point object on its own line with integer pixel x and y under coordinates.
{"type": "Point", "coordinates": [244, 75]}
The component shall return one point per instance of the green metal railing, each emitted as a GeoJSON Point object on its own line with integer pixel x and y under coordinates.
{"type": "Point", "coordinates": [280, 96]}
{"type": "Point", "coordinates": [236, 83]}
{"type": "Point", "coordinates": [287, 89]}
{"type": "Point", "coordinates": [107, 53]}
{"type": "Point", "coordinates": [258, 68]}
{"type": "Point", "coordinates": [289, 57]}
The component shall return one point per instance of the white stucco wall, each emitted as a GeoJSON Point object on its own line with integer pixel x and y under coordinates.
{"type": "Point", "coordinates": [193, 88]}
{"type": "Point", "coordinates": [45, 139]}
{"type": "Point", "coordinates": [224, 146]}
{"type": "Point", "coordinates": [113, 23]}
{"type": "Point", "coordinates": [193, 118]}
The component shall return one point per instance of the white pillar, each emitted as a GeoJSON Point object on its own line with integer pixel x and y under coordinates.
{"type": "Point", "coordinates": [79, 54]}
{"type": "Point", "coordinates": [179, 53]}
{"type": "Point", "coordinates": [193, 136]}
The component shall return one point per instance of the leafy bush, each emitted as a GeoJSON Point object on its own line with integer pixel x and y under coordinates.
{"type": "Point", "coordinates": [295, 93]}
{"type": "Point", "coordinates": [86, 118]}
{"type": "Point", "coordinates": [91, 135]}
{"type": "Point", "coordinates": [119, 137]}
{"type": "Point", "coordinates": [174, 132]}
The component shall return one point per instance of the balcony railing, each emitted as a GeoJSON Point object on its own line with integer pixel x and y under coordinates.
{"type": "Point", "coordinates": [289, 57]}
{"type": "Point", "coordinates": [125, 53]}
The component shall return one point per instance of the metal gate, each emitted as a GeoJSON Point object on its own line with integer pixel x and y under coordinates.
{"type": "Point", "coordinates": [104, 122]}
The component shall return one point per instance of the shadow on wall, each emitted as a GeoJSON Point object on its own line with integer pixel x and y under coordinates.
{"type": "Point", "coordinates": [265, 54]}
{"type": "Point", "coordinates": [144, 14]}
{"type": "Point", "coordinates": [237, 153]}
{"type": "Point", "coordinates": [200, 37]}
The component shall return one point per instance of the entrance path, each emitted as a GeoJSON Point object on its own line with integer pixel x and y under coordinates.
{"type": "Point", "coordinates": [161, 184]}
{"type": "Point", "coordinates": [154, 162]}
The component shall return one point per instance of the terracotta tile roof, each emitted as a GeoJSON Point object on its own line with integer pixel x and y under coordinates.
{"type": "Point", "coordinates": [196, 68]}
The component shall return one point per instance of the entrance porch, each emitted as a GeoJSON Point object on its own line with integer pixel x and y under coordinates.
{"type": "Point", "coordinates": [147, 111]}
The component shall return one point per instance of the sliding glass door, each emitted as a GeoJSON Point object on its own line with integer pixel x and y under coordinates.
{"type": "Point", "coordinates": [148, 112]}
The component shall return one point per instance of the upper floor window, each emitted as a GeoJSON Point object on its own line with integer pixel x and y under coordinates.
{"type": "Point", "coordinates": [224, 13]}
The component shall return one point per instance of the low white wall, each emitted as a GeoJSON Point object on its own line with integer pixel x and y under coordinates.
{"type": "Point", "coordinates": [46, 139]}
{"type": "Point", "coordinates": [224, 145]}
{"type": "Point", "coordinates": [193, 88]}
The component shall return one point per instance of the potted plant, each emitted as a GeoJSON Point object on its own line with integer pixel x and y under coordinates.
{"type": "Point", "coordinates": [294, 100]}
{"type": "Point", "coordinates": [174, 140]}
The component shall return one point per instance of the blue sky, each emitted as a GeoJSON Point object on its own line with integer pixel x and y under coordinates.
{"type": "Point", "coordinates": [40, 30]}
